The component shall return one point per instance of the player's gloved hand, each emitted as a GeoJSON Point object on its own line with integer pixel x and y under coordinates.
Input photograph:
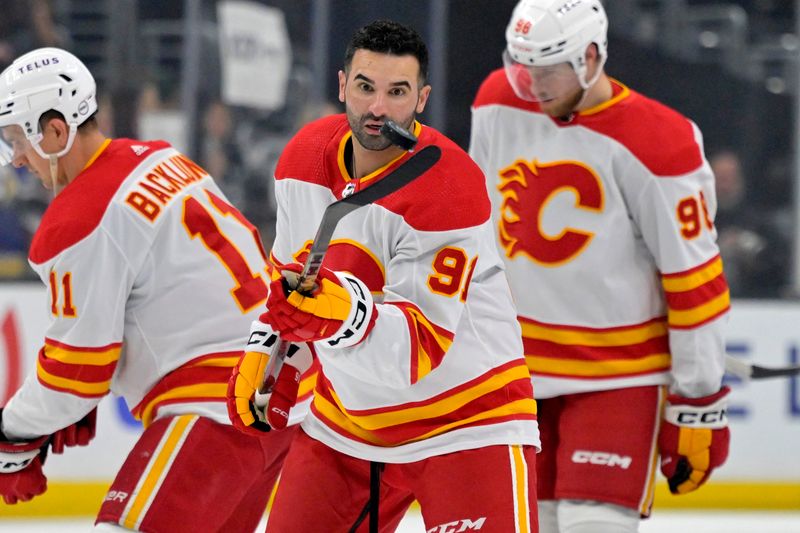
{"type": "Point", "coordinates": [339, 311]}
{"type": "Point", "coordinates": [254, 413]}
{"type": "Point", "coordinates": [78, 434]}
{"type": "Point", "coordinates": [21, 476]}
{"type": "Point", "coordinates": [694, 439]}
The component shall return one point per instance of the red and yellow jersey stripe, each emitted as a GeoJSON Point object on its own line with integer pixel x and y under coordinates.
{"type": "Point", "coordinates": [429, 342]}
{"type": "Point", "coordinates": [499, 395]}
{"type": "Point", "coordinates": [204, 379]}
{"type": "Point", "coordinates": [583, 352]}
{"type": "Point", "coordinates": [82, 371]}
{"type": "Point", "coordinates": [696, 296]}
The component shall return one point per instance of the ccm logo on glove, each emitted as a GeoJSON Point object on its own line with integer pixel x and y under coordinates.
{"type": "Point", "coordinates": [359, 315]}
{"type": "Point", "coordinates": [694, 439]}
{"type": "Point", "coordinates": [712, 417]}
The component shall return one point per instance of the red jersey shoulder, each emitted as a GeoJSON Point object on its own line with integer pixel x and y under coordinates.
{"type": "Point", "coordinates": [308, 154]}
{"type": "Point", "coordinates": [495, 90]}
{"type": "Point", "coordinates": [78, 209]}
{"type": "Point", "coordinates": [662, 139]}
{"type": "Point", "coordinates": [451, 195]}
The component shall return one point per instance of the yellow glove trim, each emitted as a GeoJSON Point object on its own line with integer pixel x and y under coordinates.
{"type": "Point", "coordinates": [331, 303]}
{"type": "Point", "coordinates": [248, 379]}
{"type": "Point", "coordinates": [693, 442]}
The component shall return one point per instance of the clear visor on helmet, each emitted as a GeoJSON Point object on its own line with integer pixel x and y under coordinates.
{"type": "Point", "coordinates": [6, 153]}
{"type": "Point", "coordinates": [14, 143]}
{"type": "Point", "coordinates": [540, 84]}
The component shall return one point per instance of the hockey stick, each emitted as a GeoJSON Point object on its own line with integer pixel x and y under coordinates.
{"type": "Point", "coordinates": [412, 168]}
{"type": "Point", "coordinates": [747, 371]}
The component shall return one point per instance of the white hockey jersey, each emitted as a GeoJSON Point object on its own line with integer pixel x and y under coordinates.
{"type": "Point", "coordinates": [605, 223]}
{"type": "Point", "coordinates": [154, 279]}
{"type": "Point", "coordinates": [442, 369]}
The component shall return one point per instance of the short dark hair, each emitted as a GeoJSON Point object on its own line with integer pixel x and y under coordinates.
{"type": "Point", "coordinates": [47, 116]}
{"type": "Point", "coordinates": [389, 37]}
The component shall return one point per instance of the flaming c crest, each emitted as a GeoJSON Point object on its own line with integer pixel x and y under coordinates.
{"type": "Point", "coordinates": [526, 187]}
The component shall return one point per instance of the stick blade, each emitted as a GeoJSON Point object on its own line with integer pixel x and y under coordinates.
{"type": "Point", "coordinates": [747, 371]}
{"type": "Point", "coordinates": [762, 372]}
{"type": "Point", "coordinates": [398, 136]}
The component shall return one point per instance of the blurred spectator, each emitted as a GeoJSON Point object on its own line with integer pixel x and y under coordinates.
{"type": "Point", "coordinates": [22, 203]}
{"type": "Point", "coordinates": [265, 142]}
{"type": "Point", "coordinates": [220, 154]}
{"type": "Point", "coordinates": [40, 29]}
{"type": "Point", "coordinates": [26, 25]}
{"type": "Point", "coordinates": [754, 250]}
{"type": "Point", "coordinates": [312, 111]}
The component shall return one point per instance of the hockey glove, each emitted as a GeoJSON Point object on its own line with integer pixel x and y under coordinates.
{"type": "Point", "coordinates": [78, 434]}
{"type": "Point", "coordinates": [21, 476]}
{"type": "Point", "coordinates": [694, 439]}
{"type": "Point", "coordinates": [271, 411]}
{"type": "Point", "coordinates": [338, 311]}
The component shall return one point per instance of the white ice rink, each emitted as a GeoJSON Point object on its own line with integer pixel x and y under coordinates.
{"type": "Point", "coordinates": [664, 522]}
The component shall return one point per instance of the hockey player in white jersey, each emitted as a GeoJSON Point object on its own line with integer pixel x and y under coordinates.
{"type": "Point", "coordinates": [604, 205]}
{"type": "Point", "coordinates": [430, 393]}
{"type": "Point", "coordinates": [153, 280]}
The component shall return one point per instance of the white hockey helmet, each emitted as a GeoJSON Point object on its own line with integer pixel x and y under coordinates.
{"type": "Point", "coordinates": [42, 80]}
{"type": "Point", "coordinates": [545, 33]}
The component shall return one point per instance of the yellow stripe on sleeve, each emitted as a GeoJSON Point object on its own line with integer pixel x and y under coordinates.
{"type": "Point", "coordinates": [693, 279]}
{"type": "Point", "coordinates": [82, 357]}
{"type": "Point", "coordinates": [701, 313]}
{"type": "Point", "coordinates": [89, 389]}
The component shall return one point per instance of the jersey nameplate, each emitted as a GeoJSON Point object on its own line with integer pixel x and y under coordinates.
{"type": "Point", "coordinates": [162, 184]}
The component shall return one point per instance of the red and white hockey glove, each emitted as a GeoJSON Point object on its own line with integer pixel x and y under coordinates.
{"type": "Point", "coordinates": [78, 434]}
{"type": "Point", "coordinates": [339, 311]}
{"type": "Point", "coordinates": [21, 476]}
{"type": "Point", "coordinates": [255, 416]}
{"type": "Point", "coordinates": [694, 439]}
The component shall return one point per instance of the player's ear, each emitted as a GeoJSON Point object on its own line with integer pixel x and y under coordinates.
{"type": "Point", "coordinates": [424, 93]}
{"type": "Point", "coordinates": [57, 129]}
{"type": "Point", "coordinates": [342, 84]}
{"type": "Point", "coordinates": [592, 53]}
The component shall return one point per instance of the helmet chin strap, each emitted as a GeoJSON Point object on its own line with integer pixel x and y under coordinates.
{"type": "Point", "coordinates": [53, 158]}
{"type": "Point", "coordinates": [586, 85]}
{"type": "Point", "coordinates": [54, 173]}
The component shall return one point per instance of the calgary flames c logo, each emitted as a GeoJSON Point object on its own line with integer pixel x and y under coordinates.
{"type": "Point", "coordinates": [527, 187]}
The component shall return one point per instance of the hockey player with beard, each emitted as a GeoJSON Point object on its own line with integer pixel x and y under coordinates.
{"type": "Point", "coordinates": [430, 393]}
{"type": "Point", "coordinates": [604, 205]}
{"type": "Point", "coordinates": [153, 278]}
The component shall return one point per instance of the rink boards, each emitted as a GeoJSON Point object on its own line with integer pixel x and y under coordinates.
{"type": "Point", "coordinates": [762, 472]}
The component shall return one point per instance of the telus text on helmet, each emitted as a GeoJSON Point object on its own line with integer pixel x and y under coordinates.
{"type": "Point", "coordinates": [30, 67]}
{"type": "Point", "coordinates": [569, 5]}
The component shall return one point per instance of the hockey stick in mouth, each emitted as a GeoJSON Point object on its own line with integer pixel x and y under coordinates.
{"type": "Point", "coordinates": [416, 165]}
{"type": "Point", "coordinates": [747, 371]}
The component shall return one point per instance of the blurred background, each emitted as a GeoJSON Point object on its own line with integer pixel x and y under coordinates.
{"type": "Point", "coordinates": [229, 82]}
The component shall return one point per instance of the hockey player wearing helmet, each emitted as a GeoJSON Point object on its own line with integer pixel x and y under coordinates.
{"type": "Point", "coordinates": [153, 277]}
{"type": "Point", "coordinates": [41, 85]}
{"type": "Point", "coordinates": [604, 204]}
